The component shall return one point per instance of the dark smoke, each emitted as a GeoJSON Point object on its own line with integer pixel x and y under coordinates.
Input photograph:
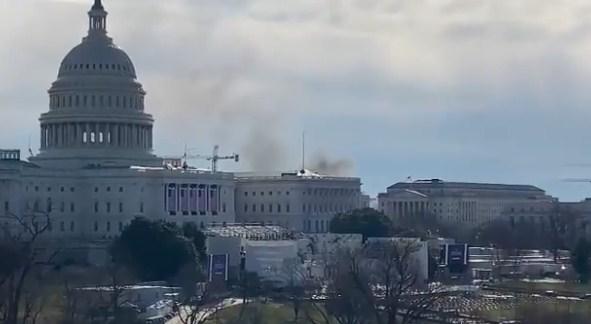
{"type": "Point", "coordinates": [321, 164]}
{"type": "Point", "coordinates": [262, 149]}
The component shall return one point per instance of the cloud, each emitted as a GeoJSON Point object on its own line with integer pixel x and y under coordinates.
{"type": "Point", "coordinates": [388, 84]}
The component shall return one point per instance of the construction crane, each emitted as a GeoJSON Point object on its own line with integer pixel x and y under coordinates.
{"type": "Point", "coordinates": [214, 158]}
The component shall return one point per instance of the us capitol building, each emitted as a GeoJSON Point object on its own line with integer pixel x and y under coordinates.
{"type": "Point", "coordinates": [96, 170]}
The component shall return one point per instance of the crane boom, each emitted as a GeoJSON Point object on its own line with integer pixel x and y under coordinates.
{"type": "Point", "coordinates": [214, 157]}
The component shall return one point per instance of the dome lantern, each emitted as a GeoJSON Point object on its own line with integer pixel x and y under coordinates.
{"type": "Point", "coordinates": [97, 18]}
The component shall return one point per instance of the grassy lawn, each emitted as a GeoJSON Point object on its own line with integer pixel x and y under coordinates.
{"type": "Point", "coordinates": [267, 313]}
{"type": "Point", "coordinates": [263, 313]}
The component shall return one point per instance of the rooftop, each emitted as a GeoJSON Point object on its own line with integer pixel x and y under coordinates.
{"type": "Point", "coordinates": [440, 184]}
{"type": "Point", "coordinates": [251, 232]}
{"type": "Point", "coordinates": [10, 155]}
{"type": "Point", "coordinates": [290, 175]}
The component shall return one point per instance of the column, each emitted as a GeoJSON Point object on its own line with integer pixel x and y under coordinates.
{"type": "Point", "coordinates": [141, 132]}
{"type": "Point", "coordinates": [144, 137]}
{"type": "Point", "coordinates": [125, 129]}
{"type": "Point", "coordinates": [42, 137]}
{"type": "Point", "coordinates": [133, 135]}
{"type": "Point", "coordinates": [78, 134]}
{"type": "Point", "coordinates": [107, 134]}
{"type": "Point", "coordinates": [48, 129]}
{"type": "Point", "coordinates": [66, 135]}
{"type": "Point", "coordinates": [72, 134]}
{"type": "Point", "coordinates": [115, 137]}
{"type": "Point", "coordinates": [62, 135]}
{"type": "Point", "coordinates": [124, 135]}
{"type": "Point", "coordinates": [150, 137]}
{"type": "Point", "coordinates": [55, 136]}
{"type": "Point", "coordinates": [87, 130]}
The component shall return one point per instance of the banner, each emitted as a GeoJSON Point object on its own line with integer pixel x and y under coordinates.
{"type": "Point", "coordinates": [456, 257]}
{"type": "Point", "coordinates": [218, 267]}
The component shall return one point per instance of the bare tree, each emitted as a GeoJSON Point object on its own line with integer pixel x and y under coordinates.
{"type": "Point", "coordinates": [382, 280]}
{"type": "Point", "coordinates": [198, 299]}
{"type": "Point", "coordinates": [350, 298]}
{"type": "Point", "coordinates": [295, 279]}
{"type": "Point", "coordinates": [396, 280]}
{"type": "Point", "coordinates": [113, 296]}
{"type": "Point", "coordinates": [23, 257]}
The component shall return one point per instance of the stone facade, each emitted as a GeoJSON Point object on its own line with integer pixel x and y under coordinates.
{"type": "Point", "coordinates": [300, 201]}
{"type": "Point", "coordinates": [459, 203]}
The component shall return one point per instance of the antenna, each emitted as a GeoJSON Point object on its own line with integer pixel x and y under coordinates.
{"type": "Point", "coordinates": [303, 151]}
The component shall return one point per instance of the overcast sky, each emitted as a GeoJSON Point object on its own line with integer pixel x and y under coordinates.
{"type": "Point", "coordinates": [468, 90]}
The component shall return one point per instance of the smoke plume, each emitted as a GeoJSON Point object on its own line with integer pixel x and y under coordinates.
{"type": "Point", "coordinates": [321, 164]}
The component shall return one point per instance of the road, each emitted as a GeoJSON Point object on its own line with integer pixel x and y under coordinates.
{"type": "Point", "coordinates": [208, 311]}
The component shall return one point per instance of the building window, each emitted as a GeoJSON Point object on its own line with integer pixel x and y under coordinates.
{"type": "Point", "coordinates": [254, 208]}
{"type": "Point", "coordinates": [72, 208]}
{"type": "Point", "coordinates": [62, 207]}
{"type": "Point", "coordinates": [262, 208]}
{"type": "Point", "coordinates": [287, 208]}
{"type": "Point", "coordinates": [120, 189]}
{"type": "Point", "coordinates": [108, 226]}
{"type": "Point", "coordinates": [6, 207]}
{"type": "Point", "coordinates": [141, 207]}
{"type": "Point", "coordinates": [120, 207]}
{"type": "Point", "coordinates": [279, 208]}
{"type": "Point", "coordinates": [49, 205]}
{"type": "Point", "coordinates": [245, 208]}
{"type": "Point", "coordinates": [72, 226]}
{"type": "Point", "coordinates": [62, 226]}
{"type": "Point", "coordinates": [96, 207]}
{"type": "Point", "coordinates": [245, 194]}
{"type": "Point", "coordinates": [223, 207]}
{"type": "Point", "coordinates": [270, 208]}
{"type": "Point", "coordinates": [96, 226]}
{"type": "Point", "coordinates": [108, 207]}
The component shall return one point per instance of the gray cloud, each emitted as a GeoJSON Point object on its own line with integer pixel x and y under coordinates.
{"type": "Point", "coordinates": [382, 82]}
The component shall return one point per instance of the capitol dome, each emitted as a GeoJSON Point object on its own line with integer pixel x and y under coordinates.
{"type": "Point", "coordinates": [97, 56]}
{"type": "Point", "coordinates": [96, 106]}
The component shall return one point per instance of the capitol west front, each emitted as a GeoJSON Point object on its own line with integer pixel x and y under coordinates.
{"type": "Point", "coordinates": [96, 171]}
